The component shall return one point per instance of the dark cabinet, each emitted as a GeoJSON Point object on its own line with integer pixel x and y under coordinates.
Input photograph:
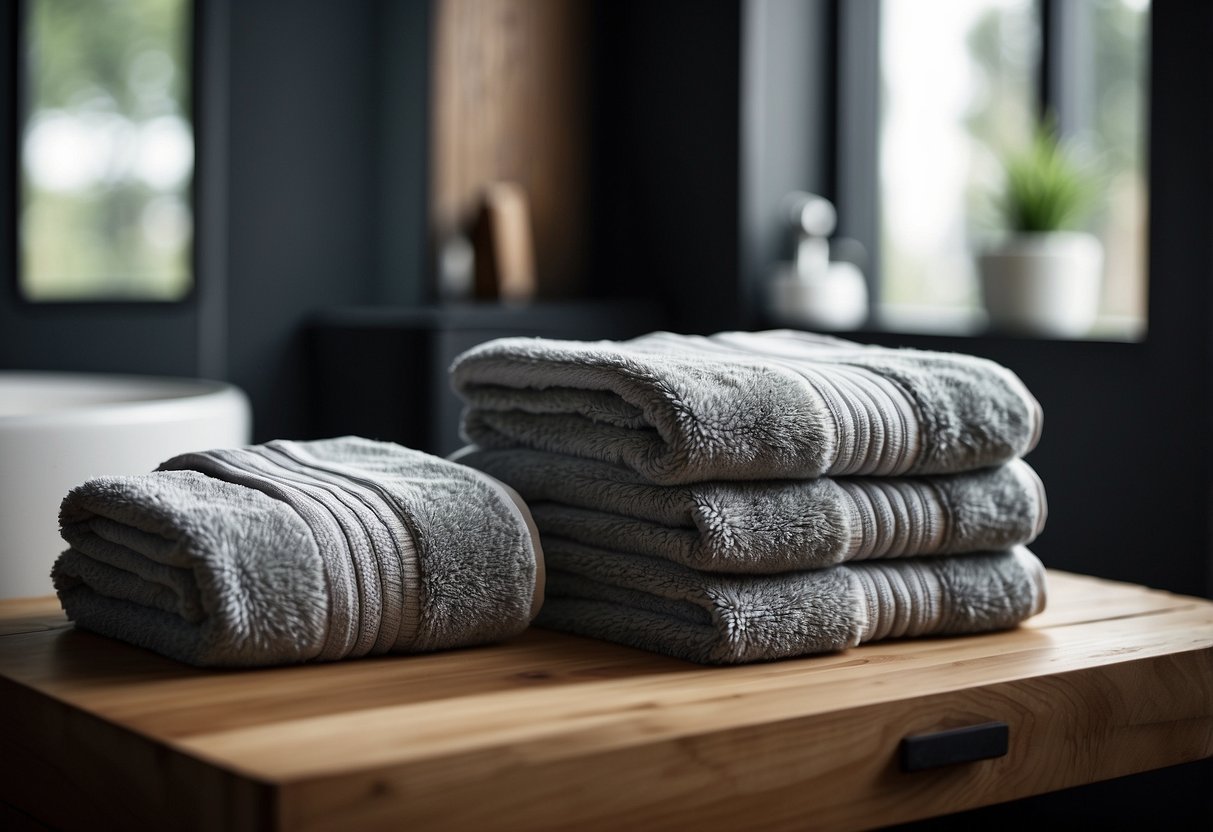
{"type": "Point", "coordinates": [381, 372]}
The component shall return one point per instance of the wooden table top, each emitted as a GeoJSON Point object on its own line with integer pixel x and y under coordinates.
{"type": "Point", "coordinates": [548, 730]}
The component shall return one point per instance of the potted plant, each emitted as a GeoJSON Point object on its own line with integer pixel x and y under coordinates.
{"type": "Point", "coordinates": [1044, 277]}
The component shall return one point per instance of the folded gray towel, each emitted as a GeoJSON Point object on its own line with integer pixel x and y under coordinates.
{"type": "Point", "coordinates": [746, 406]}
{"type": "Point", "coordinates": [293, 551]}
{"type": "Point", "coordinates": [658, 605]}
{"type": "Point", "coordinates": [771, 525]}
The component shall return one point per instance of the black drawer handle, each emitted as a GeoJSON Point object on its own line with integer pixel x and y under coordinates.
{"type": "Point", "coordinates": [959, 745]}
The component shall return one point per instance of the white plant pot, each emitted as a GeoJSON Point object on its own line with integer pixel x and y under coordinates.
{"type": "Point", "coordinates": [1043, 284]}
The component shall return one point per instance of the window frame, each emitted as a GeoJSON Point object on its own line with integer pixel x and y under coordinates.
{"type": "Point", "coordinates": [1061, 76]}
{"type": "Point", "coordinates": [19, 18]}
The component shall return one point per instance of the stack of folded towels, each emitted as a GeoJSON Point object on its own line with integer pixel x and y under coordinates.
{"type": "Point", "coordinates": [751, 496]}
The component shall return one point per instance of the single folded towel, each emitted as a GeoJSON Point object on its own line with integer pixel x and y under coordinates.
{"type": "Point", "coordinates": [294, 551]}
{"type": "Point", "coordinates": [658, 605]}
{"type": "Point", "coordinates": [771, 525]}
{"type": "Point", "coordinates": [746, 406]}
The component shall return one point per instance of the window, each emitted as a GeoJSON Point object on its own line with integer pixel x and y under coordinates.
{"type": "Point", "coordinates": [1113, 85]}
{"type": "Point", "coordinates": [106, 152]}
{"type": "Point", "coordinates": [962, 83]}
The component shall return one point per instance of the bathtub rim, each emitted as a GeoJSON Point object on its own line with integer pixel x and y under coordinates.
{"type": "Point", "coordinates": [199, 399]}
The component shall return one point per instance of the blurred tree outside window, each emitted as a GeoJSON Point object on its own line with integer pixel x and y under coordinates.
{"type": "Point", "coordinates": [960, 89]}
{"type": "Point", "coordinates": [107, 151]}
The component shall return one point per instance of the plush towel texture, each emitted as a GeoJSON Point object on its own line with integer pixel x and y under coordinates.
{"type": "Point", "coordinates": [746, 406]}
{"type": "Point", "coordinates": [658, 605]}
{"type": "Point", "coordinates": [294, 551]}
{"type": "Point", "coordinates": [771, 525]}
{"type": "Point", "coordinates": [753, 496]}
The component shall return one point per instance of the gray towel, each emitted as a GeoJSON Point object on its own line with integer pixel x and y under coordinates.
{"type": "Point", "coordinates": [771, 525]}
{"type": "Point", "coordinates": [294, 551]}
{"type": "Point", "coordinates": [665, 607]}
{"type": "Point", "coordinates": [746, 406]}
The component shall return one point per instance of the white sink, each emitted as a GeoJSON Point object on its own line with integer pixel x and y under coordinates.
{"type": "Point", "coordinates": [59, 429]}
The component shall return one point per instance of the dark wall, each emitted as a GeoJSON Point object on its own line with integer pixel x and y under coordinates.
{"type": "Point", "coordinates": [301, 199]}
{"type": "Point", "coordinates": [327, 166]}
{"type": "Point", "coordinates": [401, 139]}
{"type": "Point", "coordinates": [665, 149]}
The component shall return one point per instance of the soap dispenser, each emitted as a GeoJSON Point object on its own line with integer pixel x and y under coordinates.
{"type": "Point", "coordinates": [811, 291]}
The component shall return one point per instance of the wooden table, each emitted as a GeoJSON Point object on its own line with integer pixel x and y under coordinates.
{"type": "Point", "coordinates": [551, 731]}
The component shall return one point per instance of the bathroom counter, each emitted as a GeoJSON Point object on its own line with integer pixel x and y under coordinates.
{"type": "Point", "coordinates": [550, 731]}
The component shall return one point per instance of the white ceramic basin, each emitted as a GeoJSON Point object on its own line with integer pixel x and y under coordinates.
{"type": "Point", "coordinates": [59, 429]}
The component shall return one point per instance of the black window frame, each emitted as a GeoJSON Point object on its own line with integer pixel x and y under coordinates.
{"type": "Point", "coordinates": [19, 16]}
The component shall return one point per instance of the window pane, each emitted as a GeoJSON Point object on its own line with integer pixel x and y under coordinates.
{"type": "Point", "coordinates": [1116, 84]}
{"type": "Point", "coordinates": [960, 93]}
{"type": "Point", "coordinates": [959, 86]}
{"type": "Point", "coordinates": [107, 151]}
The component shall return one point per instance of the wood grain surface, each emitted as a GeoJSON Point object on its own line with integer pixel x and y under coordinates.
{"type": "Point", "coordinates": [550, 731]}
{"type": "Point", "coordinates": [510, 93]}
